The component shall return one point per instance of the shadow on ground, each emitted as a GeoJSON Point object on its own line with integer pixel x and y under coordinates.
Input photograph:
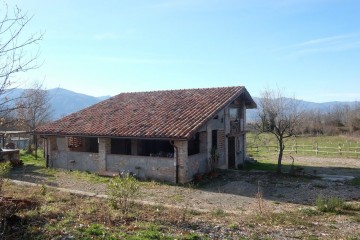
{"type": "Point", "coordinates": [302, 188]}
{"type": "Point", "coordinates": [34, 174]}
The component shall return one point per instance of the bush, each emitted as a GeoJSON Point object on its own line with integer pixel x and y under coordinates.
{"type": "Point", "coordinates": [4, 170]}
{"type": "Point", "coordinates": [121, 191]}
{"type": "Point", "coordinates": [331, 204]}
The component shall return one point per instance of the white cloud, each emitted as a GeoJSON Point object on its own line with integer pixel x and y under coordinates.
{"type": "Point", "coordinates": [335, 43]}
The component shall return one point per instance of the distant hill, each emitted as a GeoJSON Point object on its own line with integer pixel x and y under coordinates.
{"type": "Point", "coordinates": [64, 101]}
{"type": "Point", "coordinates": [252, 114]}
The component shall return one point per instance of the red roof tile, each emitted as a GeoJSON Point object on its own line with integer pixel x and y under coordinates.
{"type": "Point", "coordinates": [159, 114]}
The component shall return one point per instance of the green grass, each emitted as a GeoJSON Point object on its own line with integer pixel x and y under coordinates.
{"type": "Point", "coordinates": [30, 159]}
{"type": "Point", "coordinates": [37, 165]}
{"type": "Point", "coordinates": [266, 164]}
{"type": "Point", "coordinates": [87, 176]}
{"type": "Point", "coordinates": [330, 204]}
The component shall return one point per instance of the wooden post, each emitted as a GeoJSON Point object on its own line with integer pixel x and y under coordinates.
{"type": "Point", "coordinates": [317, 149]}
{"type": "Point", "coordinates": [303, 148]}
{"type": "Point", "coordinates": [339, 149]}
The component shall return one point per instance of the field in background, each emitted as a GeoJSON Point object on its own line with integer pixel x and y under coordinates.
{"type": "Point", "coordinates": [264, 146]}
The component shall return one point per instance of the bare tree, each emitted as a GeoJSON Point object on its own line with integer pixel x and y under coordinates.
{"type": "Point", "coordinates": [279, 116]}
{"type": "Point", "coordinates": [14, 52]}
{"type": "Point", "coordinates": [355, 118]}
{"type": "Point", "coordinates": [33, 109]}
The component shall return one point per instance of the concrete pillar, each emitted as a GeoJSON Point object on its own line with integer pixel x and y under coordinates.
{"type": "Point", "coordinates": [209, 143]}
{"type": "Point", "coordinates": [203, 142]}
{"type": "Point", "coordinates": [181, 152]}
{"type": "Point", "coordinates": [52, 144]}
{"type": "Point", "coordinates": [227, 131]}
{"type": "Point", "coordinates": [244, 136]}
{"type": "Point", "coordinates": [104, 149]}
{"type": "Point", "coordinates": [134, 147]}
{"type": "Point", "coordinates": [52, 148]}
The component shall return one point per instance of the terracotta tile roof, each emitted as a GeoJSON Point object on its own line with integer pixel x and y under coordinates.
{"type": "Point", "coordinates": [175, 114]}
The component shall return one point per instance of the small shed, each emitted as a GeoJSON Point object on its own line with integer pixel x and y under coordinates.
{"type": "Point", "coordinates": [19, 138]}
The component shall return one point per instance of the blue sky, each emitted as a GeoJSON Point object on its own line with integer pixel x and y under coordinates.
{"type": "Point", "coordinates": [309, 48]}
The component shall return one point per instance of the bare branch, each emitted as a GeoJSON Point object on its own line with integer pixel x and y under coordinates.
{"type": "Point", "coordinates": [14, 52]}
{"type": "Point", "coordinates": [279, 116]}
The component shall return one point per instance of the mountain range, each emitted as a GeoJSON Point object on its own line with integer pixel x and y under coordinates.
{"type": "Point", "coordinates": [65, 102]}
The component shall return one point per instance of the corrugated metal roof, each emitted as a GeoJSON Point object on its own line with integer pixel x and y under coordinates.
{"type": "Point", "coordinates": [174, 114]}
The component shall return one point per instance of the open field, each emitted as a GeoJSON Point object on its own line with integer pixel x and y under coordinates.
{"type": "Point", "coordinates": [247, 204]}
{"type": "Point", "coordinates": [265, 145]}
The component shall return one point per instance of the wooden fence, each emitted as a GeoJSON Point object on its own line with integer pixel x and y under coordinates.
{"type": "Point", "coordinates": [315, 149]}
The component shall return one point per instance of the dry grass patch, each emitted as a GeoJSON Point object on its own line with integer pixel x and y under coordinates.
{"type": "Point", "coordinates": [63, 215]}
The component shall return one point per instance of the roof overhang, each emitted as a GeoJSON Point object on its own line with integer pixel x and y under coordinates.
{"type": "Point", "coordinates": [104, 136]}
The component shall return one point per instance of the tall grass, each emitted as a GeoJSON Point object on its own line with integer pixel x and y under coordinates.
{"type": "Point", "coordinates": [330, 204]}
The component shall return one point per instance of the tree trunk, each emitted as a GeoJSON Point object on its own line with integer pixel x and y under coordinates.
{"type": "Point", "coordinates": [281, 151]}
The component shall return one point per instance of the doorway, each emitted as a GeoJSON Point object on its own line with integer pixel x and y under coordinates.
{"type": "Point", "coordinates": [231, 152]}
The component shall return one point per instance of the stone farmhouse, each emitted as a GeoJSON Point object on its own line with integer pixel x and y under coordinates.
{"type": "Point", "coordinates": [164, 135]}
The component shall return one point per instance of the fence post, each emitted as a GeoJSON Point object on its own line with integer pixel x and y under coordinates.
{"type": "Point", "coordinates": [303, 148]}
{"type": "Point", "coordinates": [339, 149]}
{"type": "Point", "coordinates": [317, 149]}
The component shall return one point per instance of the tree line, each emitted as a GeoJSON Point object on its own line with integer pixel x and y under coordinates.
{"type": "Point", "coordinates": [340, 119]}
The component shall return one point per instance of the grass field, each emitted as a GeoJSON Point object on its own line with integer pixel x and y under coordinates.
{"type": "Point", "coordinates": [264, 146]}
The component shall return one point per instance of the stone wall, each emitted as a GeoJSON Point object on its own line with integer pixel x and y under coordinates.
{"type": "Point", "coordinates": [198, 163]}
{"type": "Point", "coordinates": [61, 157]}
{"type": "Point", "coordinates": [162, 169]}
{"type": "Point", "coordinates": [181, 153]}
{"type": "Point", "coordinates": [104, 150]}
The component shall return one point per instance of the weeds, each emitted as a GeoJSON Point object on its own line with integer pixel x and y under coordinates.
{"type": "Point", "coordinates": [185, 211]}
{"type": "Point", "coordinates": [259, 199]}
{"type": "Point", "coordinates": [4, 170]}
{"type": "Point", "coordinates": [331, 204]}
{"type": "Point", "coordinates": [293, 218]}
{"type": "Point", "coordinates": [218, 212]}
{"type": "Point", "coordinates": [121, 191]}
{"type": "Point", "coordinates": [43, 189]}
